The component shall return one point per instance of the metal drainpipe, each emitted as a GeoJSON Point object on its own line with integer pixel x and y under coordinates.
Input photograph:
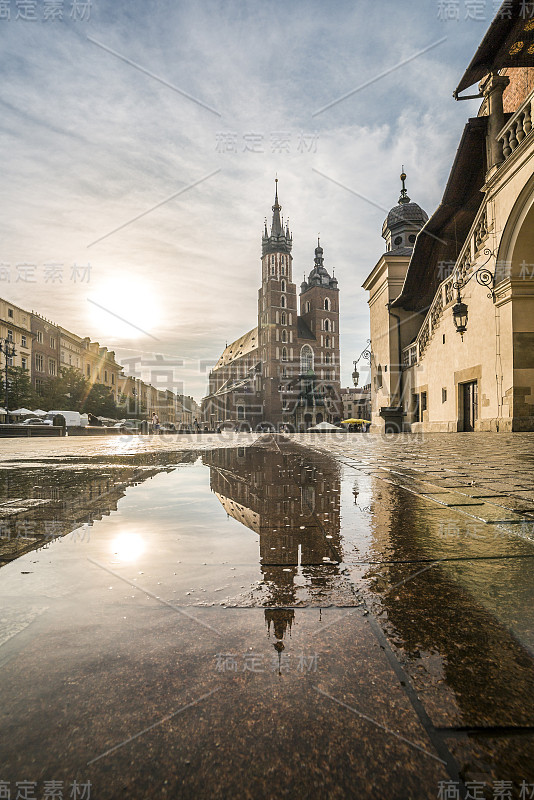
{"type": "Point", "coordinates": [399, 356]}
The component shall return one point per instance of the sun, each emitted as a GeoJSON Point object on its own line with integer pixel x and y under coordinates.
{"type": "Point", "coordinates": [125, 308]}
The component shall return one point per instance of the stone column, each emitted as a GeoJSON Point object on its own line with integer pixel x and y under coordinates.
{"type": "Point", "coordinates": [493, 87]}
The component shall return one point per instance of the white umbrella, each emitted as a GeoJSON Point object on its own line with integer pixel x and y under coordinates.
{"type": "Point", "coordinates": [39, 412]}
{"type": "Point", "coordinates": [324, 426]}
{"type": "Point", "coordinates": [22, 412]}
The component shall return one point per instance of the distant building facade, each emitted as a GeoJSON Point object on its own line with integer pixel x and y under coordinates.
{"type": "Point", "coordinates": [357, 402]}
{"type": "Point", "coordinates": [285, 371]}
{"type": "Point", "coordinates": [452, 318]}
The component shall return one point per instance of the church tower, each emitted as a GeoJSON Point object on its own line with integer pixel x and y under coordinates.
{"type": "Point", "coordinates": [319, 309]}
{"type": "Point", "coordinates": [277, 311]}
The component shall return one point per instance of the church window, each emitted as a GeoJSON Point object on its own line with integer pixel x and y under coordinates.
{"type": "Point", "coordinates": [282, 260]}
{"type": "Point", "coordinates": [284, 336]}
{"type": "Point", "coordinates": [283, 286]}
{"type": "Point", "coordinates": [327, 304]}
{"type": "Point", "coordinates": [306, 359]}
{"type": "Point", "coordinates": [278, 318]}
{"type": "Point", "coordinates": [397, 240]}
{"type": "Point", "coordinates": [282, 318]}
{"type": "Point", "coordinates": [327, 358]}
{"type": "Point", "coordinates": [291, 319]}
{"type": "Point", "coordinates": [411, 238]}
{"type": "Point", "coordinates": [283, 302]}
{"type": "Point", "coordinates": [327, 324]}
{"type": "Point", "coordinates": [327, 342]}
{"type": "Point", "coordinates": [308, 307]}
{"type": "Point", "coordinates": [273, 269]}
{"type": "Point", "coordinates": [284, 353]}
{"type": "Point", "coordinates": [272, 259]}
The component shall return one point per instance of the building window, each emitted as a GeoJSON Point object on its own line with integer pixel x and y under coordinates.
{"type": "Point", "coordinates": [105, 376]}
{"type": "Point", "coordinates": [51, 367]}
{"type": "Point", "coordinates": [273, 270]}
{"type": "Point", "coordinates": [284, 336]}
{"type": "Point", "coordinates": [272, 259]}
{"type": "Point", "coordinates": [282, 260]}
{"type": "Point", "coordinates": [40, 337]}
{"type": "Point", "coordinates": [10, 336]}
{"type": "Point", "coordinates": [52, 343]}
{"type": "Point", "coordinates": [327, 342]}
{"type": "Point", "coordinates": [241, 412]}
{"type": "Point", "coordinates": [284, 353]}
{"type": "Point", "coordinates": [39, 386]}
{"type": "Point", "coordinates": [283, 318]}
{"type": "Point", "coordinates": [283, 286]}
{"type": "Point", "coordinates": [423, 402]}
{"type": "Point", "coordinates": [10, 312]}
{"type": "Point", "coordinates": [283, 302]}
{"type": "Point", "coordinates": [39, 363]}
{"type": "Point", "coordinates": [327, 304]}
{"type": "Point", "coordinates": [308, 307]}
{"type": "Point", "coordinates": [443, 395]}
{"type": "Point", "coordinates": [23, 341]}
{"type": "Point", "coordinates": [88, 370]}
{"type": "Point", "coordinates": [112, 378]}
{"type": "Point", "coordinates": [306, 359]}
{"type": "Point", "coordinates": [327, 324]}
{"type": "Point", "coordinates": [327, 358]}
{"type": "Point", "coordinates": [24, 363]}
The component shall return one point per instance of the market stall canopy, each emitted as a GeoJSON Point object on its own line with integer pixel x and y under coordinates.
{"type": "Point", "coordinates": [509, 42]}
{"type": "Point", "coordinates": [22, 412]}
{"type": "Point", "coordinates": [39, 412]}
{"type": "Point", "coordinates": [324, 426]}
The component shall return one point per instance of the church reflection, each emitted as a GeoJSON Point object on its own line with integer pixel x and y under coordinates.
{"type": "Point", "coordinates": [291, 499]}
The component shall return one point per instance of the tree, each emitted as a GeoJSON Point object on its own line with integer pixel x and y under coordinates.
{"type": "Point", "coordinates": [100, 402]}
{"type": "Point", "coordinates": [67, 391]}
{"type": "Point", "coordinates": [20, 390]}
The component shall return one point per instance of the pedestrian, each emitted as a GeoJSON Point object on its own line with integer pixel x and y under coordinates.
{"type": "Point", "coordinates": [155, 422]}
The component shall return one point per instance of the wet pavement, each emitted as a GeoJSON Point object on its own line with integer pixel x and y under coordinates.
{"type": "Point", "coordinates": [325, 616]}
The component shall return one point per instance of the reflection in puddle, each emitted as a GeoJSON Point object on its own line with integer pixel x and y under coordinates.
{"type": "Point", "coordinates": [128, 546]}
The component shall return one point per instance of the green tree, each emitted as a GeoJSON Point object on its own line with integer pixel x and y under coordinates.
{"type": "Point", "coordinates": [68, 391]}
{"type": "Point", "coordinates": [100, 402]}
{"type": "Point", "coordinates": [21, 393]}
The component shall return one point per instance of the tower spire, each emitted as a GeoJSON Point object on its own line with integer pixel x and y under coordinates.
{"type": "Point", "coordinates": [276, 228]}
{"type": "Point", "coordinates": [404, 194]}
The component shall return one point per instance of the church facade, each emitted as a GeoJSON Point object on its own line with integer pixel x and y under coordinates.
{"type": "Point", "coordinates": [284, 372]}
{"type": "Point", "coordinates": [452, 298]}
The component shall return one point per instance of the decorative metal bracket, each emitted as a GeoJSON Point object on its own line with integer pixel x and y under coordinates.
{"type": "Point", "coordinates": [483, 276]}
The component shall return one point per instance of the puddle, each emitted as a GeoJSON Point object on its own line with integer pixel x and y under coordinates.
{"type": "Point", "coordinates": [134, 583]}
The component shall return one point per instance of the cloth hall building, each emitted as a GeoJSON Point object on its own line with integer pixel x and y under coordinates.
{"type": "Point", "coordinates": [285, 371]}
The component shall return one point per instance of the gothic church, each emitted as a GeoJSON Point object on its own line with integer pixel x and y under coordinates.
{"type": "Point", "coordinates": [285, 372]}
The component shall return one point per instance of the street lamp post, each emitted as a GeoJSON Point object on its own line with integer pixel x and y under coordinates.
{"type": "Point", "coordinates": [8, 349]}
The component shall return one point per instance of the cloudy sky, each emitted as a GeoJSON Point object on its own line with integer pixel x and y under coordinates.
{"type": "Point", "coordinates": [143, 141]}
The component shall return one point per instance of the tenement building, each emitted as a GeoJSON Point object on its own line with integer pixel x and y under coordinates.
{"type": "Point", "coordinates": [285, 371]}
{"type": "Point", "coordinates": [452, 298]}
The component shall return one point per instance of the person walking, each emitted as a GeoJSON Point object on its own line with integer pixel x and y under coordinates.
{"type": "Point", "coordinates": [155, 422]}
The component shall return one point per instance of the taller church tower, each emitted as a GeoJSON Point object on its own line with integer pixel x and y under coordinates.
{"type": "Point", "coordinates": [277, 311]}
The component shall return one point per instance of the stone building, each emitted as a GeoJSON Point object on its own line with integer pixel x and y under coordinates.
{"type": "Point", "coordinates": [284, 371]}
{"type": "Point", "coordinates": [15, 326]}
{"type": "Point", "coordinates": [45, 351]}
{"type": "Point", "coordinates": [452, 317]}
{"type": "Point", "coordinates": [356, 402]}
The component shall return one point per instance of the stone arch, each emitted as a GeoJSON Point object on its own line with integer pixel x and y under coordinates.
{"type": "Point", "coordinates": [517, 241]}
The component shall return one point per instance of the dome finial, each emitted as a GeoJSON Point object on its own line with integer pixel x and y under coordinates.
{"type": "Point", "coordinates": [404, 194]}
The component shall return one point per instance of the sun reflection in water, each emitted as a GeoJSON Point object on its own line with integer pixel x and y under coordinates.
{"type": "Point", "coordinates": [128, 546]}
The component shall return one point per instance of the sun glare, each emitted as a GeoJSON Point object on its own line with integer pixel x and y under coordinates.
{"type": "Point", "coordinates": [123, 308]}
{"type": "Point", "coordinates": [128, 546]}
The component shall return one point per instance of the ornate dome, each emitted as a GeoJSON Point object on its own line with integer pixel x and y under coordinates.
{"type": "Point", "coordinates": [403, 222]}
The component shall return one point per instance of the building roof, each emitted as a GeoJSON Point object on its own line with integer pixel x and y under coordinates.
{"type": "Point", "coordinates": [509, 42]}
{"type": "Point", "coordinates": [243, 346]}
{"type": "Point", "coordinates": [442, 237]}
{"type": "Point", "coordinates": [303, 331]}
{"type": "Point", "coordinates": [403, 213]}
